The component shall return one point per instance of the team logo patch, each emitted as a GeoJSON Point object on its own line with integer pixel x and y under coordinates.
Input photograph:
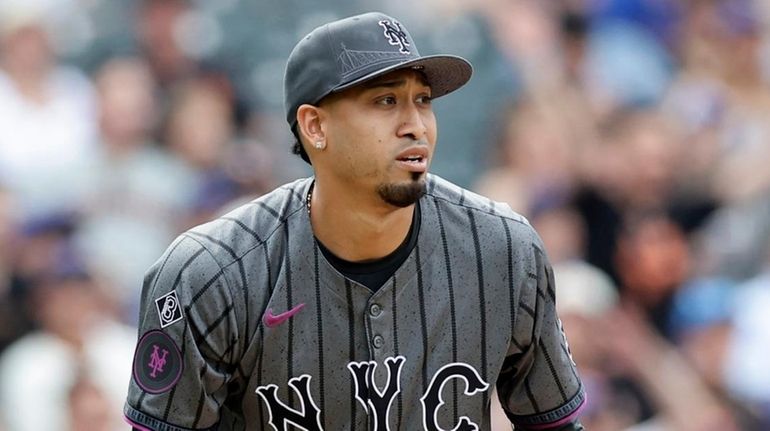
{"type": "Point", "coordinates": [157, 363]}
{"type": "Point", "coordinates": [169, 310]}
{"type": "Point", "coordinates": [395, 35]}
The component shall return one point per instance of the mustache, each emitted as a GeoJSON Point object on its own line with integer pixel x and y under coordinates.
{"type": "Point", "coordinates": [418, 142]}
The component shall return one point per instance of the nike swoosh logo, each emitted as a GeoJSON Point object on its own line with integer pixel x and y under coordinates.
{"type": "Point", "coordinates": [272, 320]}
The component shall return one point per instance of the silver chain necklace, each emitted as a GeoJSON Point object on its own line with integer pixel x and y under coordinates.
{"type": "Point", "coordinates": [308, 199]}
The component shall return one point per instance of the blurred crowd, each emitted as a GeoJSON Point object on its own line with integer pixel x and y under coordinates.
{"type": "Point", "coordinates": [633, 134]}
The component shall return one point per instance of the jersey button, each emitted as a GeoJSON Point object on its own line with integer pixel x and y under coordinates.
{"type": "Point", "coordinates": [378, 341]}
{"type": "Point", "coordinates": [375, 310]}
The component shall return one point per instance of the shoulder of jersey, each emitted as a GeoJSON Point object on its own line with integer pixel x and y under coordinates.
{"type": "Point", "coordinates": [450, 195]}
{"type": "Point", "coordinates": [253, 223]}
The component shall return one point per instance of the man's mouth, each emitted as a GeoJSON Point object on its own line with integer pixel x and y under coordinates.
{"type": "Point", "coordinates": [414, 159]}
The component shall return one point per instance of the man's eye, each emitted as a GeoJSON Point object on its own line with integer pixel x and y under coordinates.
{"type": "Point", "coordinates": [388, 100]}
{"type": "Point", "coordinates": [424, 99]}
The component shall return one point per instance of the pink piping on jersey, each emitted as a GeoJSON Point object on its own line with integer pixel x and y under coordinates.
{"type": "Point", "coordinates": [135, 425]}
{"type": "Point", "coordinates": [563, 420]}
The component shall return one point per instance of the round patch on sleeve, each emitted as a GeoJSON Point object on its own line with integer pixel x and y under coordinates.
{"type": "Point", "coordinates": [157, 362]}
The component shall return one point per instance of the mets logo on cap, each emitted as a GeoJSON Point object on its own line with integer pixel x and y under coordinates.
{"type": "Point", "coordinates": [395, 34]}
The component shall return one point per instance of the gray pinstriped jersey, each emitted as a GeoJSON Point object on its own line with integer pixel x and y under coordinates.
{"type": "Point", "coordinates": [244, 325]}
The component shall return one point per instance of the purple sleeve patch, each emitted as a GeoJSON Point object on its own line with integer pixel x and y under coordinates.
{"type": "Point", "coordinates": [157, 363]}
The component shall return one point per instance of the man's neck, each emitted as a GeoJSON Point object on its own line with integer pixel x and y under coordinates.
{"type": "Point", "coordinates": [357, 229]}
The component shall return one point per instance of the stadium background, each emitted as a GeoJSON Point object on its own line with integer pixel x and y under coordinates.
{"type": "Point", "coordinates": [634, 134]}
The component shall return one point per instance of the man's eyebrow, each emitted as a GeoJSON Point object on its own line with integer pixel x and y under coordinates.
{"type": "Point", "coordinates": [387, 83]}
{"type": "Point", "coordinates": [391, 82]}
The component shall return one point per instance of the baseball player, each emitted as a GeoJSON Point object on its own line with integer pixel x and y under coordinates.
{"type": "Point", "coordinates": [372, 296]}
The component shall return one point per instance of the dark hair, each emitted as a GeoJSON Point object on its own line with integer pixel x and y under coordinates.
{"type": "Point", "coordinates": [297, 147]}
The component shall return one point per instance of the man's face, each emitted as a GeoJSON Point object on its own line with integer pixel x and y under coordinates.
{"type": "Point", "coordinates": [380, 136]}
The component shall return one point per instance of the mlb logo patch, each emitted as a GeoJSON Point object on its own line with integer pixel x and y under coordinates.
{"type": "Point", "coordinates": [169, 310]}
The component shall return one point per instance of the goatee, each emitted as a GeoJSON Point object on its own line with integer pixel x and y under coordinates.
{"type": "Point", "coordinates": [403, 194]}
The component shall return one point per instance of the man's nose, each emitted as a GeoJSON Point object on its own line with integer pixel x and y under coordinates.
{"type": "Point", "coordinates": [412, 123]}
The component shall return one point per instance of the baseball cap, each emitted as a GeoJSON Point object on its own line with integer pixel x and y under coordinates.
{"type": "Point", "coordinates": [350, 51]}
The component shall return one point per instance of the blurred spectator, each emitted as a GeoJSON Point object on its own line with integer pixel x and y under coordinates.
{"type": "Point", "coordinates": [200, 132]}
{"type": "Point", "coordinates": [47, 116]}
{"type": "Point", "coordinates": [76, 332]}
{"type": "Point", "coordinates": [642, 150]}
{"type": "Point", "coordinates": [535, 164]}
{"type": "Point", "coordinates": [137, 192]}
{"type": "Point", "coordinates": [745, 367]}
{"type": "Point", "coordinates": [564, 235]}
{"type": "Point", "coordinates": [200, 123]}
{"type": "Point", "coordinates": [732, 132]}
{"type": "Point", "coordinates": [652, 261]}
{"type": "Point", "coordinates": [669, 193]}
{"type": "Point", "coordinates": [528, 37]}
{"type": "Point", "coordinates": [704, 324]}
{"type": "Point", "coordinates": [39, 244]}
{"type": "Point", "coordinates": [90, 409]}
{"type": "Point", "coordinates": [630, 170]}
{"type": "Point", "coordinates": [12, 321]}
{"type": "Point", "coordinates": [158, 31]}
{"type": "Point", "coordinates": [636, 379]}
{"type": "Point", "coordinates": [733, 241]}
{"type": "Point", "coordinates": [679, 396]}
{"type": "Point", "coordinates": [701, 323]}
{"type": "Point", "coordinates": [627, 63]}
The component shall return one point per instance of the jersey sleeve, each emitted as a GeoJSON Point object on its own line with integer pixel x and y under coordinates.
{"type": "Point", "coordinates": [538, 385]}
{"type": "Point", "coordinates": [187, 349]}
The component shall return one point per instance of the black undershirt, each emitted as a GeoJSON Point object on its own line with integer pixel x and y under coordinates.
{"type": "Point", "coordinates": [373, 274]}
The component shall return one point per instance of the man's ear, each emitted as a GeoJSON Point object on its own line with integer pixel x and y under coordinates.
{"type": "Point", "coordinates": [309, 124]}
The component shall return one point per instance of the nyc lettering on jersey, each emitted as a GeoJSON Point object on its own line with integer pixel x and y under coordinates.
{"type": "Point", "coordinates": [376, 401]}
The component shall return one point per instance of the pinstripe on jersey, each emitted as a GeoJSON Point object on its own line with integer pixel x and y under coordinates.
{"type": "Point", "coordinates": [472, 306]}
